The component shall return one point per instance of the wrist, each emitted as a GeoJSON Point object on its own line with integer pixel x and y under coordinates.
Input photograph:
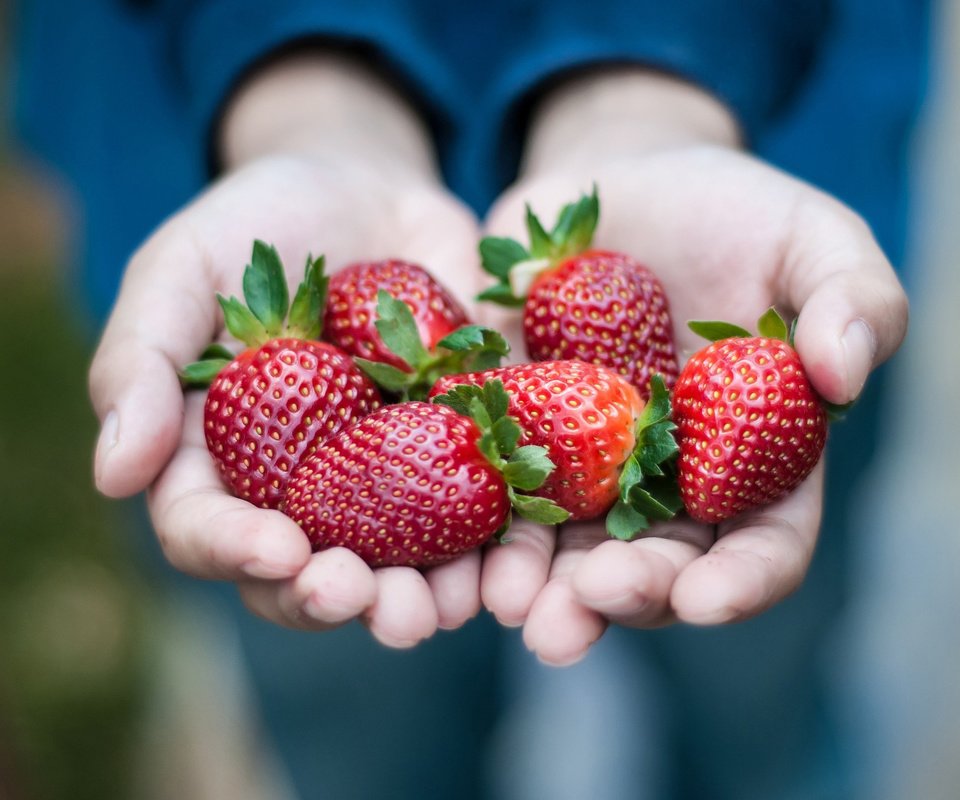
{"type": "Point", "coordinates": [326, 105]}
{"type": "Point", "coordinates": [606, 114]}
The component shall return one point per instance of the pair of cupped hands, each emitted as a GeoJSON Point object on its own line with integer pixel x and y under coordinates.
{"type": "Point", "coordinates": [728, 235]}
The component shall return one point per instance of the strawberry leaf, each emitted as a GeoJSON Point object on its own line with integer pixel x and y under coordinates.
{"type": "Point", "coordinates": [458, 398]}
{"type": "Point", "coordinates": [265, 288]}
{"type": "Point", "coordinates": [498, 254]}
{"type": "Point", "coordinates": [715, 331]}
{"type": "Point", "coordinates": [624, 523]}
{"type": "Point", "coordinates": [525, 468]}
{"type": "Point", "coordinates": [200, 374]}
{"type": "Point", "coordinates": [495, 398]}
{"type": "Point", "coordinates": [216, 351]}
{"type": "Point", "coordinates": [538, 509]}
{"type": "Point", "coordinates": [386, 376]}
{"type": "Point", "coordinates": [507, 433]}
{"type": "Point", "coordinates": [528, 467]}
{"type": "Point", "coordinates": [502, 295]}
{"type": "Point", "coordinates": [541, 245]}
{"type": "Point", "coordinates": [772, 326]}
{"type": "Point", "coordinates": [491, 397]}
{"type": "Point", "coordinates": [477, 411]}
{"type": "Point", "coordinates": [398, 329]}
{"type": "Point", "coordinates": [480, 348]}
{"type": "Point", "coordinates": [241, 322]}
{"type": "Point", "coordinates": [464, 338]}
{"type": "Point", "coordinates": [306, 311]}
{"type": "Point", "coordinates": [657, 498]}
{"type": "Point", "coordinates": [488, 446]}
{"type": "Point", "coordinates": [647, 482]}
{"type": "Point", "coordinates": [576, 225]}
{"type": "Point", "coordinates": [837, 412]}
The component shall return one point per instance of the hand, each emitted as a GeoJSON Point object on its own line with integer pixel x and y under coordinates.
{"type": "Point", "coordinates": [357, 181]}
{"type": "Point", "coordinates": [729, 236]}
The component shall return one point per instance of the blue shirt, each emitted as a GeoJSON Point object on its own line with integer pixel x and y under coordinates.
{"type": "Point", "coordinates": [122, 96]}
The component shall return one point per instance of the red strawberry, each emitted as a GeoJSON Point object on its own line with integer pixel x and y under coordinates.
{"type": "Point", "coordinates": [593, 305]}
{"type": "Point", "coordinates": [750, 426]}
{"type": "Point", "coordinates": [270, 405]}
{"type": "Point", "coordinates": [416, 484]}
{"type": "Point", "coordinates": [470, 347]}
{"type": "Point", "coordinates": [349, 321]}
{"type": "Point", "coordinates": [609, 448]}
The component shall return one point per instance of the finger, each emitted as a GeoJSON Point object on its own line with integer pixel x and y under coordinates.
{"type": "Point", "coordinates": [456, 590]}
{"type": "Point", "coordinates": [759, 558]}
{"type": "Point", "coordinates": [515, 570]}
{"type": "Point", "coordinates": [559, 628]}
{"type": "Point", "coordinates": [164, 315]}
{"type": "Point", "coordinates": [210, 534]}
{"type": "Point", "coordinates": [404, 613]}
{"type": "Point", "coordinates": [447, 250]}
{"type": "Point", "coordinates": [853, 310]}
{"type": "Point", "coordinates": [335, 587]}
{"type": "Point", "coordinates": [630, 582]}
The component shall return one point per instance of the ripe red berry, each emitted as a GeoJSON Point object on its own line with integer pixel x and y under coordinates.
{"type": "Point", "coordinates": [416, 484]}
{"type": "Point", "coordinates": [351, 312]}
{"type": "Point", "coordinates": [405, 485]}
{"type": "Point", "coordinates": [596, 430]}
{"type": "Point", "coordinates": [270, 405]}
{"type": "Point", "coordinates": [403, 328]}
{"type": "Point", "coordinates": [750, 426]}
{"type": "Point", "coordinates": [605, 308]}
{"type": "Point", "coordinates": [598, 306]}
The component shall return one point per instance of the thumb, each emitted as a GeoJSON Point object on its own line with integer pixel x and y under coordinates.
{"type": "Point", "coordinates": [853, 311]}
{"type": "Point", "coordinates": [163, 317]}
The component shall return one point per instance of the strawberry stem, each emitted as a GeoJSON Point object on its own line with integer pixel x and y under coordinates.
{"type": "Point", "coordinates": [524, 469]}
{"type": "Point", "coordinates": [771, 325]}
{"type": "Point", "coordinates": [263, 315]}
{"type": "Point", "coordinates": [265, 289]}
{"type": "Point", "coordinates": [648, 488]}
{"type": "Point", "coordinates": [470, 348]}
{"type": "Point", "coordinates": [501, 257]}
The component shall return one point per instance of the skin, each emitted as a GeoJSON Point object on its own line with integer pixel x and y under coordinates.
{"type": "Point", "coordinates": [321, 156]}
{"type": "Point", "coordinates": [729, 236]}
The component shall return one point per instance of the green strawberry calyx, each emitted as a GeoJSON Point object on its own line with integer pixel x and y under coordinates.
{"type": "Point", "coordinates": [524, 469]}
{"type": "Point", "coordinates": [470, 348]}
{"type": "Point", "coordinates": [267, 312]}
{"type": "Point", "coordinates": [516, 267]}
{"type": "Point", "coordinates": [771, 325]}
{"type": "Point", "coordinates": [648, 483]}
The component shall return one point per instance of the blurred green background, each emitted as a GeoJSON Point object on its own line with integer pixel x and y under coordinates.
{"type": "Point", "coordinates": [72, 606]}
{"type": "Point", "coordinates": [71, 603]}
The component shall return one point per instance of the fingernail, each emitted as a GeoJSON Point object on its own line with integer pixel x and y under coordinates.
{"type": "Point", "coordinates": [566, 660]}
{"type": "Point", "coordinates": [269, 569]}
{"type": "Point", "coordinates": [328, 608]}
{"type": "Point", "coordinates": [105, 443]}
{"type": "Point", "coordinates": [859, 347]}
{"type": "Point", "coordinates": [286, 558]}
{"type": "Point", "coordinates": [718, 615]}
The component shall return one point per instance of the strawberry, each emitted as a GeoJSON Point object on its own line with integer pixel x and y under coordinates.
{"type": "Point", "coordinates": [594, 305]}
{"type": "Point", "coordinates": [403, 327]}
{"type": "Point", "coordinates": [611, 450]}
{"type": "Point", "coordinates": [270, 405]}
{"type": "Point", "coordinates": [468, 348]}
{"type": "Point", "coordinates": [350, 316]}
{"type": "Point", "coordinates": [750, 426]}
{"type": "Point", "coordinates": [417, 483]}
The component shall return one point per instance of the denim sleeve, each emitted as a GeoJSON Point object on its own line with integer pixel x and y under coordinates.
{"type": "Point", "coordinates": [468, 61]}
